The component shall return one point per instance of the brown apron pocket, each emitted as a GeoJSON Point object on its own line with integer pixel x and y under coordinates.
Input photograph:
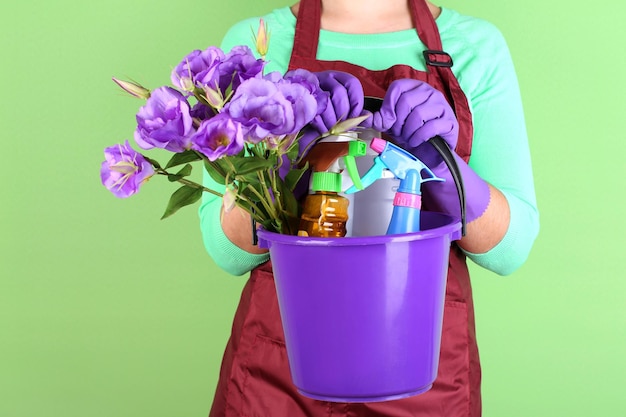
{"type": "Point", "coordinates": [268, 390]}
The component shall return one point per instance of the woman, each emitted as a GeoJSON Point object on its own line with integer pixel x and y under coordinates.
{"type": "Point", "coordinates": [383, 42]}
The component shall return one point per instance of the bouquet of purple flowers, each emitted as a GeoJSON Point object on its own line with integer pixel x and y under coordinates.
{"type": "Point", "coordinates": [244, 127]}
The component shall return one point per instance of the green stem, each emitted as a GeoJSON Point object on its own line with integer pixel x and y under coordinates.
{"type": "Point", "coordinates": [255, 212]}
{"type": "Point", "coordinates": [277, 197]}
{"type": "Point", "coordinates": [270, 209]}
{"type": "Point", "coordinates": [207, 160]}
{"type": "Point", "coordinates": [189, 183]}
{"type": "Point", "coordinates": [309, 146]}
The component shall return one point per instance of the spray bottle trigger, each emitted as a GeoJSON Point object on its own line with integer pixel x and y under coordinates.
{"type": "Point", "coordinates": [355, 148]}
{"type": "Point", "coordinates": [430, 175]}
{"type": "Point", "coordinates": [373, 174]}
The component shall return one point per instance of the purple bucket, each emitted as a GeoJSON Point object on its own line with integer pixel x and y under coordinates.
{"type": "Point", "coordinates": [362, 316]}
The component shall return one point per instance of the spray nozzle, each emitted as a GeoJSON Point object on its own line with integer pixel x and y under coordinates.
{"type": "Point", "coordinates": [396, 160]}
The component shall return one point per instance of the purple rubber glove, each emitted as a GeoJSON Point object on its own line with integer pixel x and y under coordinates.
{"type": "Point", "coordinates": [443, 196]}
{"type": "Point", "coordinates": [413, 112]}
{"type": "Point", "coordinates": [345, 99]}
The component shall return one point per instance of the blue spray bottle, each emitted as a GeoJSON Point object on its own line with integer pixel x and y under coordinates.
{"type": "Point", "coordinates": [411, 172]}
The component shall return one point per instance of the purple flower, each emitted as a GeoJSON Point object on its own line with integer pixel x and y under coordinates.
{"type": "Point", "coordinates": [239, 65]}
{"type": "Point", "coordinates": [199, 68]}
{"type": "Point", "coordinates": [267, 108]}
{"type": "Point", "coordinates": [308, 80]}
{"type": "Point", "coordinates": [274, 76]}
{"type": "Point", "coordinates": [305, 106]}
{"type": "Point", "coordinates": [124, 170]}
{"type": "Point", "coordinates": [201, 112]}
{"type": "Point", "coordinates": [218, 136]}
{"type": "Point", "coordinates": [212, 68]}
{"type": "Point", "coordinates": [164, 121]}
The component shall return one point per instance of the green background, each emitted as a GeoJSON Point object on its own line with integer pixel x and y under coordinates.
{"type": "Point", "coordinates": [107, 311]}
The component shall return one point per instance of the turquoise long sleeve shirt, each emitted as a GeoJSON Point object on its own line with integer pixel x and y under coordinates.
{"type": "Point", "coordinates": [485, 71]}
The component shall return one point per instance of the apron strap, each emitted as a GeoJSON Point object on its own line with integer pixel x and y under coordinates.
{"type": "Point", "coordinates": [307, 32]}
{"type": "Point", "coordinates": [425, 24]}
{"type": "Point", "coordinates": [440, 62]}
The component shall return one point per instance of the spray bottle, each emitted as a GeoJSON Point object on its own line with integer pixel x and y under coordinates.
{"type": "Point", "coordinates": [324, 211]}
{"type": "Point", "coordinates": [411, 172]}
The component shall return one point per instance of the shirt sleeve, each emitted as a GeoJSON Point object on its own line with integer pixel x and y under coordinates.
{"type": "Point", "coordinates": [225, 253]}
{"type": "Point", "coordinates": [500, 151]}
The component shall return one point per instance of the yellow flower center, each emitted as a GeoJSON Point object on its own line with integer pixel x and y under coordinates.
{"type": "Point", "coordinates": [221, 140]}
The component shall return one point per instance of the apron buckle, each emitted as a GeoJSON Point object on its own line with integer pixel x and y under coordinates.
{"type": "Point", "coordinates": [437, 58]}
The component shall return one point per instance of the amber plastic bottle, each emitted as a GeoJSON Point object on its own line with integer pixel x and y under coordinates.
{"type": "Point", "coordinates": [324, 212]}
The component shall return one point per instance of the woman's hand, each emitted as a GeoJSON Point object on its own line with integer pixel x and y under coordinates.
{"type": "Point", "coordinates": [413, 112]}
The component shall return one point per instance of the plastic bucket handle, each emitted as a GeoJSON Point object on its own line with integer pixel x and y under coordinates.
{"type": "Point", "coordinates": [373, 104]}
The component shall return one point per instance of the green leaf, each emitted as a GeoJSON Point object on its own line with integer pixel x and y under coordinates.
{"type": "Point", "coordinates": [183, 158]}
{"type": "Point", "coordinates": [244, 188]}
{"type": "Point", "coordinates": [182, 197]}
{"type": "Point", "coordinates": [292, 153]}
{"type": "Point", "coordinates": [249, 164]}
{"type": "Point", "coordinates": [249, 178]}
{"type": "Point", "coordinates": [288, 200]}
{"type": "Point", "coordinates": [294, 149]}
{"type": "Point", "coordinates": [215, 172]}
{"type": "Point", "coordinates": [184, 172]}
{"type": "Point", "coordinates": [293, 177]}
{"type": "Point", "coordinates": [153, 162]}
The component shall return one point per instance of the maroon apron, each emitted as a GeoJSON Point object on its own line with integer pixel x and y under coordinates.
{"type": "Point", "coordinates": [255, 380]}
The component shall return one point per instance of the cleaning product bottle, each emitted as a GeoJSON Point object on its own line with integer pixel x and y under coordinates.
{"type": "Point", "coordinates": [411, 172]}
{"type": "Point", "coordinates": [324, 211]}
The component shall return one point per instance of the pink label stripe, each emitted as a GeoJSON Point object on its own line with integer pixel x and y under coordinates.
{"type": "Point", "coordinates": [408, 200]}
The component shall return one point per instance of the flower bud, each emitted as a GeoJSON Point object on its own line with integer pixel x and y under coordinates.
{"type": "Point", "coordinates": [214, 97]}
{"type": "Point", "coordinates": [229, 199]}
{"type": "Point", "coordinates": [262, 38]}
{"type": "Point", "coordinates": [186, 84]}
{"type": "Point", "coordinates": [347, 125]}
{"type": "Point", "coordinates": [133, 89]}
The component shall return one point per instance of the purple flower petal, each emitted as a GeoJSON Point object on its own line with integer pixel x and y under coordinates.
{"type": "Point", "coordinates": [261, 107]}
{"type": "Point", "coordinates": [239, 65]}
{"type": "Point", "coordinates": [218, 136]}
{"type": "Point", "coordinates": [124, 170]}
{"type": "Point", "coordinates": [198, 68]}
{"type": "Point", "coordinates": [165, 121]}
{"type": "Point", "coordinates": [308, 80]}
